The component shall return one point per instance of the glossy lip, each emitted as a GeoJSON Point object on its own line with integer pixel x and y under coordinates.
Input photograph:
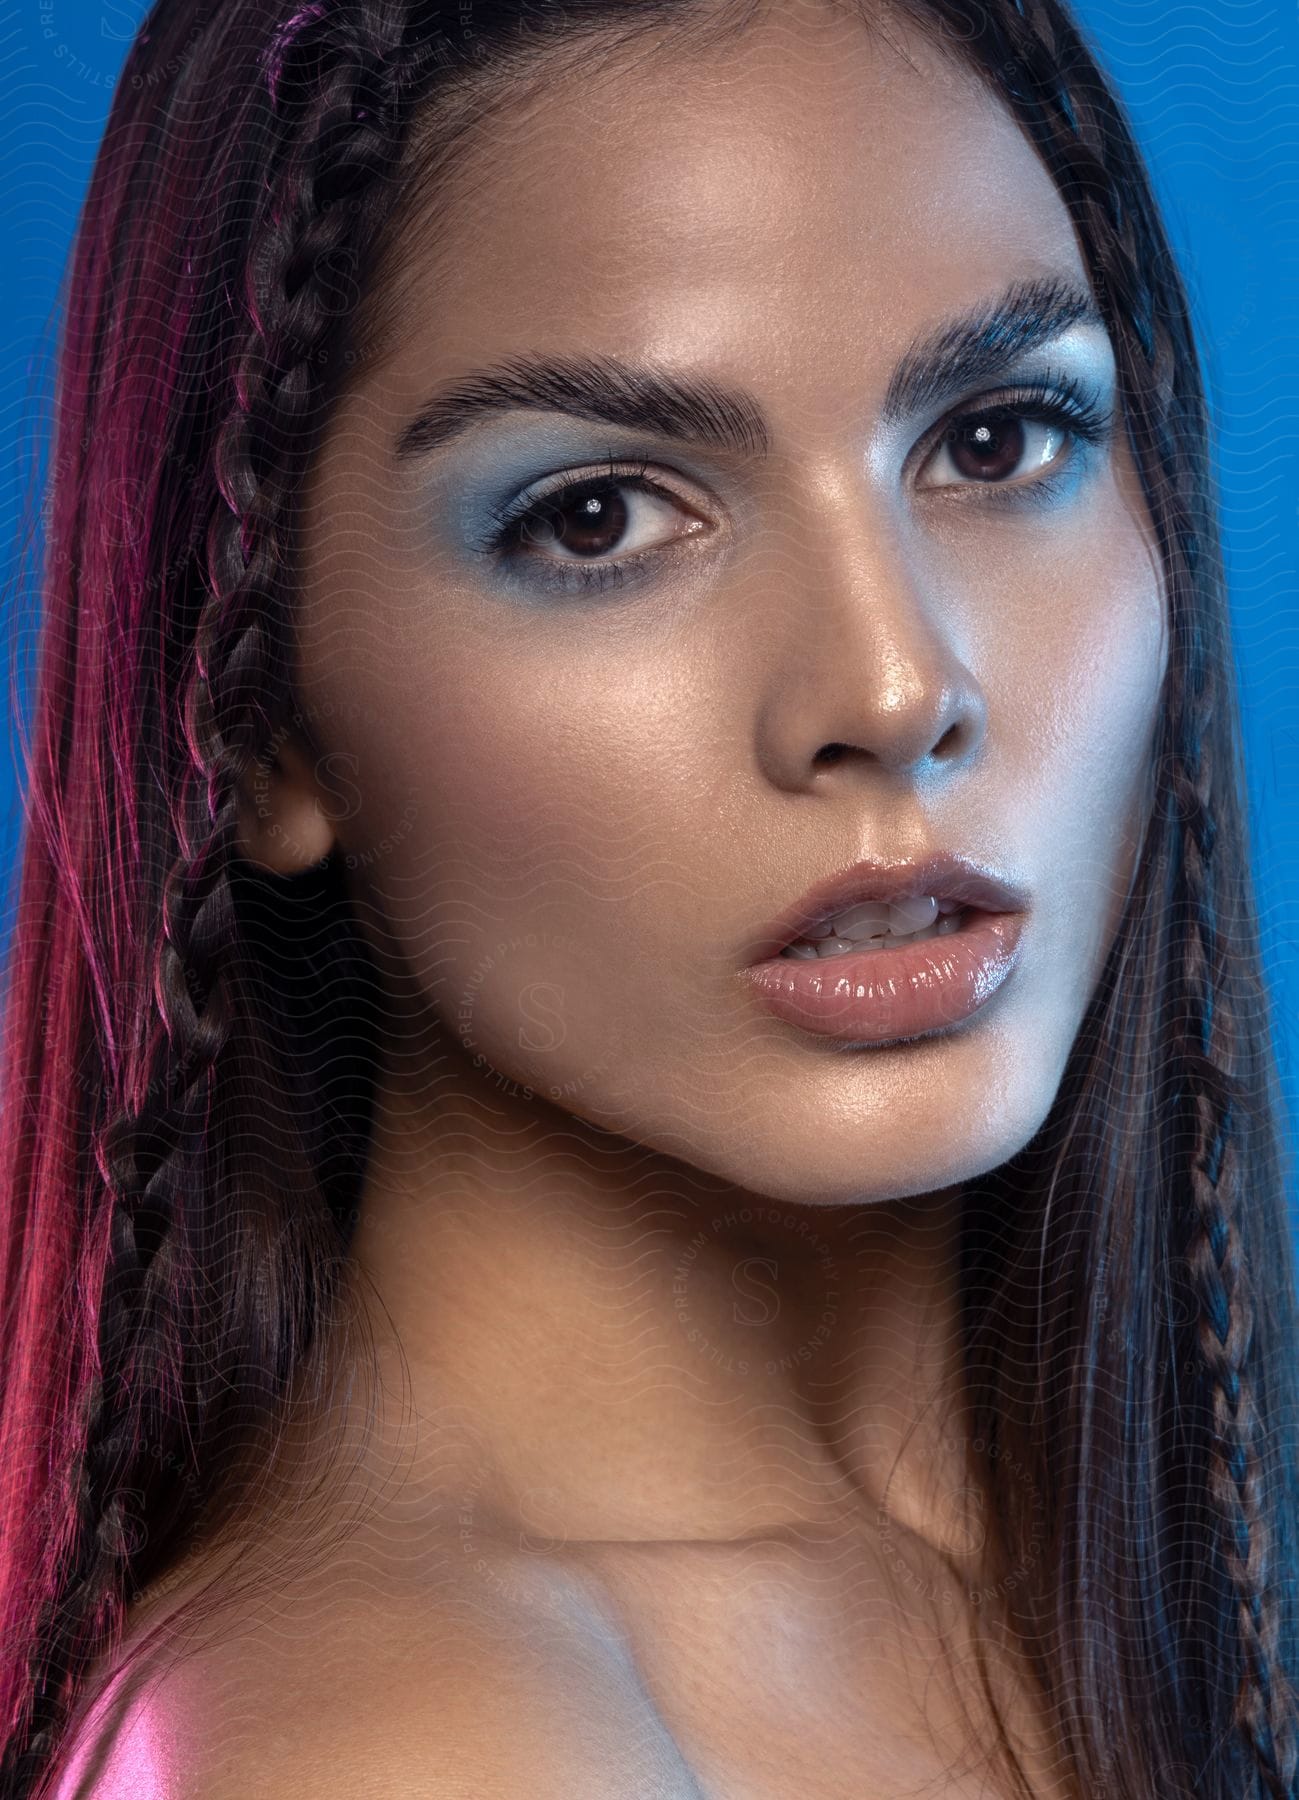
{"type": "Point", "coordinates": [883, 997]}
{"type": "Point", "coordinates": [945, 875]}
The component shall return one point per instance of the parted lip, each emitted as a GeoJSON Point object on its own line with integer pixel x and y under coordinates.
{"type": "Point", "coordinates": [945, 875]}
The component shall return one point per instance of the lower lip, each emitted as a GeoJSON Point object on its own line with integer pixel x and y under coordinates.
{"type": "Point", "coordinates": [876, 996]}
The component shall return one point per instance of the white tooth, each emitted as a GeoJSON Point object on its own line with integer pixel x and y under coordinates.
{"type": "Point", "coordinates": [800, 951]}
{"type": "Point", "coordinates": [842, 946]}
{"type": "Point", "coordinates": [897, 941]}
{"type": "Point", "coordinates": [823, 930]}
{"type": "Point", "coordinates": [949, 906]}
{"type": "Point", "coordinates": [866, 919]}
{"type": "Point", "coordinates": [914, 915]}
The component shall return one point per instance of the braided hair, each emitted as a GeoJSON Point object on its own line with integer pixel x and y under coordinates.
{"type": "Point", "coordinates": [1218, 1110]}
{"type": "Point", "coordinates": [327, 118]}
{"type": "Point", "coordinates": [221, 317]}
{"type": "Point", "coordinates": [1242, 1465]}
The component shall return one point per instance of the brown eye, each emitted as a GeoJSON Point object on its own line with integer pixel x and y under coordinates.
{"type": "Point", "coordinates": [593, 518]}
{"type": "Point", "coordinates": [996, 446]}
{"type": "Point", "coordinates": [589, 519]}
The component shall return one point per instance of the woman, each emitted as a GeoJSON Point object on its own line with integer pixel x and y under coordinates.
{"type": "Point", "coordinates": [567, 521]}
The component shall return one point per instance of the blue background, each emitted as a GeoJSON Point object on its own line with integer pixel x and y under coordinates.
{"type": "Point", "coordinates": [1214, 95]}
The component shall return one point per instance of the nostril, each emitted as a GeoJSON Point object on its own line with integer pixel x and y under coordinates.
{"type": "Point", "coordinates": [950, 740]}
{"type": "Point", "coordinates": [829, 753]}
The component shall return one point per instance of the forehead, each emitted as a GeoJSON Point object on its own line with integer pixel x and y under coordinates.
{"type": "Point", "coordinates": [806, 181]}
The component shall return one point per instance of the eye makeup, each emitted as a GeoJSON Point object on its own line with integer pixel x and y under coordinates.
{"type": "Point", "coordinates": [490, 504]}
{"type": "Point", "coordinates": [1074, 411]}
{"type": "Point", "coordinates": [510, 518]}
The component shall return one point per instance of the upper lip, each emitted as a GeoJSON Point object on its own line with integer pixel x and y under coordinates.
{"type": "Point", "coordinates": [946, 876]}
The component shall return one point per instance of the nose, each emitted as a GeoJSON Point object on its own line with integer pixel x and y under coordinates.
{"type": "Point", "coordinates": [865, 671]}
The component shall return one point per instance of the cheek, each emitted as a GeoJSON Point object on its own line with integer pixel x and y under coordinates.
{"type": "Point", "coordinates": [1086, 712]}
{"type": "Point", "coordinates": [552, 776]}
{"type": "Point", "coordinates": [541, 771]}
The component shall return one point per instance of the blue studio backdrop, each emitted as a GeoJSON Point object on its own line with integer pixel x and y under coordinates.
{"type": "Point", "coordinates": [1214, 95]}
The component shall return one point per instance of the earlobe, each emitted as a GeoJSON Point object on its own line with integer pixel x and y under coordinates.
{"type": "Point", "coordinates": [283, 825]}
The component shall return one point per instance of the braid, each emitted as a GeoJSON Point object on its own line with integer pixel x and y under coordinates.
{"type": "Point", "coordinates": [1032, 50]}
{"type": "Point", "coordinates": [1264, 1710]}
{"type": "Point", "coordinates": [1265, 1703]}
{"type": "Point", "coordinates": [337, 103]}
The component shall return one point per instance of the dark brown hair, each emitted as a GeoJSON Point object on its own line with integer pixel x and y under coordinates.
{"type": "Point", "coordinates": [183, 1158]}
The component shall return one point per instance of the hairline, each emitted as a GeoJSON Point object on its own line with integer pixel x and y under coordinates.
{"type": "Point", "coordinates": [453, 121]}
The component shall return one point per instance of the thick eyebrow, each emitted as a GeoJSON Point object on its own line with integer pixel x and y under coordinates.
{"type": "Point", "coordinates": [693, 408]}
{"type": "Point", "coordinates": [982, 346]}
{"type": "Point", "coordinates": [979, 346]}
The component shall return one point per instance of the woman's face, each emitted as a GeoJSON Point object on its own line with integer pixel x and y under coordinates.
{"type": "Point", "coordinates": [578, 774]}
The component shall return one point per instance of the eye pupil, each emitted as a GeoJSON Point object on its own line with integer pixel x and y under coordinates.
{"type": "Point", "coordinates": [588, 521]}
{"type": "Point", "coordinates": [988, 448]}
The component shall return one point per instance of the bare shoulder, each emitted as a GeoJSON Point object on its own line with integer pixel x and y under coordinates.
{"type": "Point", "coordinates": [502, 1682]}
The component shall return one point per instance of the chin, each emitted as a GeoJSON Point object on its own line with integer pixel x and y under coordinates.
{"type": "Point", "coordinates": [835, 1136]}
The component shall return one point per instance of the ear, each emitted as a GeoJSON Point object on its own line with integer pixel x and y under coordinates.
{"type": "Point", "coordinates": [283, 824]}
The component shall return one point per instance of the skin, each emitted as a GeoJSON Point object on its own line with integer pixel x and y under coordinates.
{"type": "Point", "coordinates": [567, 815]}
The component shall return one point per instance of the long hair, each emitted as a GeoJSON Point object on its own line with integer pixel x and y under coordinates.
{"type": "Point", "coordinates": [189, 1042]}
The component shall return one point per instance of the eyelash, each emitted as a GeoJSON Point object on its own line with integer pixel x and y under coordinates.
{"type": "Point", "coordinates": [1061, 401]}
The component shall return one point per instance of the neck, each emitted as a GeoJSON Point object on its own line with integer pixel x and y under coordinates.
{"type": "Point", "coordinates": [603, 1343]}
